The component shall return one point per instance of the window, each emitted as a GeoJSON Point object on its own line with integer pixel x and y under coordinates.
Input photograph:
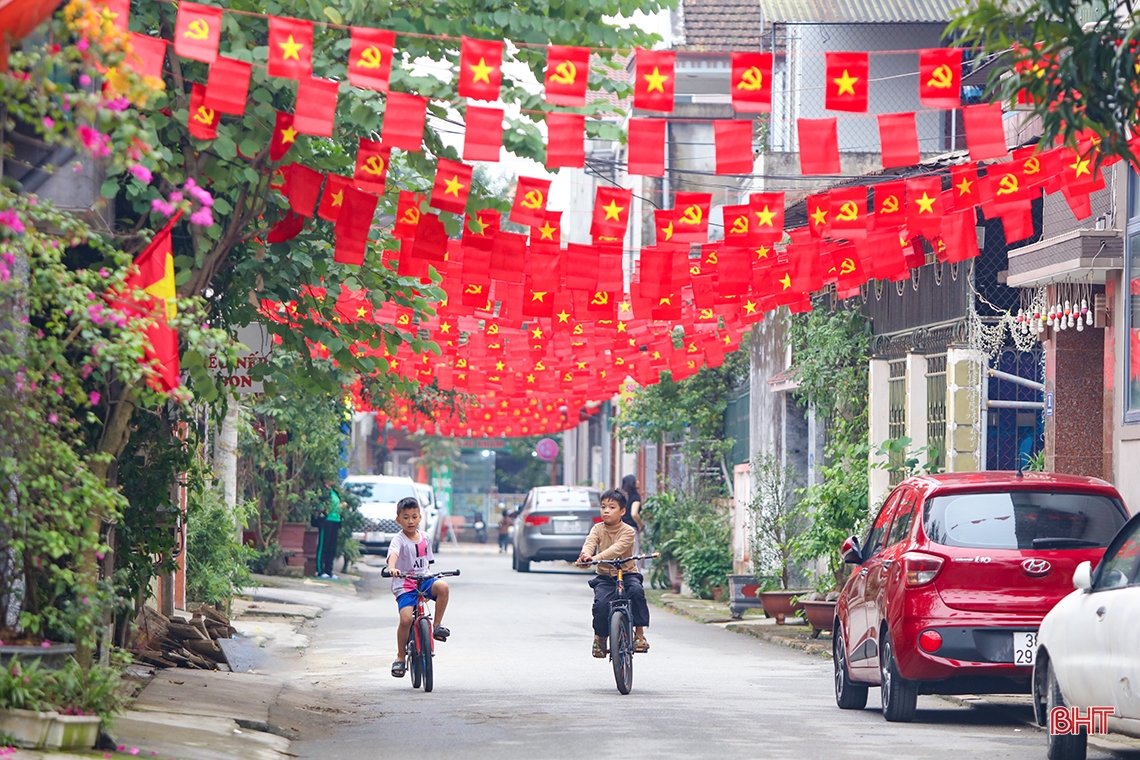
{"type": "Point", "coordinates": [382, 492]}
{"type": "Point", "coordinates": [1132, 310]}
{"type": "Point", "coordinates": [878, 533]}
{"type": "Point", "coordinates": [1023, 520]}
{"type": "Point", "coordinates": [900, 528]}
{"type": "Point", "coordinates": [1119, 568]}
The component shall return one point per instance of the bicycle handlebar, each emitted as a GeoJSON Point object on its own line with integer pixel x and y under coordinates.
{"type": "Point", "coordinates": [621, 561]}
{"type": "Point", "coordinates": [446, 573]}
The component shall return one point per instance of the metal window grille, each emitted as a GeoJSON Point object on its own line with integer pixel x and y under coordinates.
{"type": "Point", "coordinates": [936, 407]}
{"type": "Point", "coordinates": [896, 426]}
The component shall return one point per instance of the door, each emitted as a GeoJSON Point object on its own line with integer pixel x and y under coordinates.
{"type": "Point", "coordinates": [863, 642]}
{"type": "Point", "coordinates": [882, 566]}
{"type": "Point", "coordinates": [1122, 621]}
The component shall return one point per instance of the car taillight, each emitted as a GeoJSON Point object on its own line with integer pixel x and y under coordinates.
{"type": "Point", "coordinates": [930, 641]}
{"type": "Point", "coordinates": [537, 519]}
{"type": "Point", "coordinates": [920, 569]}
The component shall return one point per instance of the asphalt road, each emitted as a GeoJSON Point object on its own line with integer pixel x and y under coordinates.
{"type": "Point", "coordinates": [516, 680]}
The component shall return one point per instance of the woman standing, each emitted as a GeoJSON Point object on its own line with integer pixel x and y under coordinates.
{"type": "Point", "coordinates": [632, 515]}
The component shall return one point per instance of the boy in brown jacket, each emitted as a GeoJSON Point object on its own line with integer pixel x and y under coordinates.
{"type": "Point", "coordinates": [614, 539]}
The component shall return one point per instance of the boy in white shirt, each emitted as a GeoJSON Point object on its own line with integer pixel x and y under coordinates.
{"type": "Point", "coordinates": [410, 554]}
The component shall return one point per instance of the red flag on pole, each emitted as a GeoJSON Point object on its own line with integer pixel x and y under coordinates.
{"type": "Point", "coordinates": [197, 32]}
{"type": "Point", "coordinates": [567, 75]}
{"type": "Point", "coordinates": [370, 58]}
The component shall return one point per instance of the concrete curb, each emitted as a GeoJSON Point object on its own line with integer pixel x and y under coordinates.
{"type": "Point", "coordinates": [810, 646]}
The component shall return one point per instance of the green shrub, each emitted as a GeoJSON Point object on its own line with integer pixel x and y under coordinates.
{"type": "Point", "coordinates": [216, 561]}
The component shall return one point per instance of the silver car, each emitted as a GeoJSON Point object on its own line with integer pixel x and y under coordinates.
{"type": "Point", "coordinates": [554, 523]}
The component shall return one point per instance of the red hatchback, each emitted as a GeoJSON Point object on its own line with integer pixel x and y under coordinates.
{"type": "Point", "coordinates": [953, 579]}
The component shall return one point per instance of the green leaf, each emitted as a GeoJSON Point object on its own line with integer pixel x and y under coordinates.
{"type": "Point", "coordinates": [333, 15]}
{"type": "Point", "coordinates": [110, 188]}
{"type": "Point", "coordinates": [225, 147]}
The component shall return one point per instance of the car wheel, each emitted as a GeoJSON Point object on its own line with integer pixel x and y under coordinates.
{"type": "Point", "coordinates": [522, 564]}
{"type": "Point", "coordinates": [848, 694]}
{"type": "Point", "coordinates": [899, 696]}
{"type": "Point", "coordinates": [1067, 746]}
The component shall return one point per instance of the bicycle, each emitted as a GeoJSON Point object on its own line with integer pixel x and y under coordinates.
{"type": "Point", "coordinates": [621, 624]}
{"type": "Point", "coordinates": [421, 644]}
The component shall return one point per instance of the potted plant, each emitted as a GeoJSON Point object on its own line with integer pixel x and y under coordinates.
{"type": "Point", "coordinates": [778, 521]}
{"type": "Point", "coordinates": [819, 611]}
{"type": "Point", "coordinates": [84, 701]}
{"type": "Point", "coordinates": [23, 716]}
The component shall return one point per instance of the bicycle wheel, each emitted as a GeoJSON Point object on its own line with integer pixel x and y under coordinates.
{"type": "Point", "coordinates": [424, 635]}
{"type": "Point", "coordinates": [414, 656]}
{"type": "Point", "coordinates": [621, 651]}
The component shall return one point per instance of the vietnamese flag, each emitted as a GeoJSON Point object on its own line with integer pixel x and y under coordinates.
{"type": "Point", "coordinates": [315, 109]}
{"type": "Point", "coordinates": [227, 86]}
{"type": "Point", "coordinates": [818, 211]}
{"type": "Point", "coordinates": [768, 216]}
{"type": "Point", "coordinates": [611, 212]}
{"type": "Point", "coordinates": [752, 82]}
{"type": "Point", "coordinates": [153, 273]}
{"type": "Point", "coordinates": [549, 233]}
{"type": "Point", "coordinates": [404, 117]}
{"type": "Point", "coordinates": [846, 85]}
{"type": "Point", "coordinates": [333, 198]}
{"type": "Point", "coordinates": [529, 207]}
{"type": "Point", "coordinates": [197, 32]}
{"type": "Point", "coordinates": [898, 139]}
{"type": "Point", "coordinates": [924, 205]}
{"type": "Point", "coordinates": [284, 135]}
{"type": "Point", "coordinates": [940, 77]}
{"type": "Point", "coordinates": [653, 80]}
{"type": "Point", "coordinates": [565, 140]}
{"type": "Point", "coordinates": [482, 133]}
{"type": "Point", "coordinates": [290, 48]}
{"type": "Point", "coordinates": [303, 188]}
{"type": "Point", "coordinates": [964, 186]}
{"type": "Point", "coordinates": [147, 55]}
{"type": "Point", "coordinates": [452, 185]}
{"type": "Point", "coordinates": [480, 68]}
{"type": "Point", "coordinates": [203, 121]}
{"type": "Point", "coordinates": [370, 58]}
{"type": "Point", "coordinates": [567, 75]}
{"type": "Point", "coordinates": [371, 166]}
{"type": "Point", "coordinates": [646, 147]}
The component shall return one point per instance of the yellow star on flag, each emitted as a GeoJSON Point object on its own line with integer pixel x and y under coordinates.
{"type": "Point", "coordinates": [613, 211]}
{"type": "Point", "coordinates": [530, 378]}
{"type": "Point", "coordinates": [846, 84]}
{"type": "Point", "coordinates": [337, 198]}
{"type": "Point", "coordinates": [538, 295]}
{"type": "Point", "coordinates": [288, 135]}
{"type": "Point", "coordinates": [925, 204]}
{"type": "Point", "coordinates": [499, 366]}
{"type": "Point", "coordinates": [453, 187]}
{"type": "Point", "coordinates": [762, 252]}
{"type": "Point", "coordinates": [445, 327]}
{"type": "Point", "coordinates": [481, 72]}
{"type": "Point", "coordinates": [766, 217]}
{"type": "Point", "coordinates": [546, 231]}
{"type": "Point", "coordinates": [1080, 167]}
{"type": "Point", "coordinates": [563, 317]}
{"type": "Point", "coordinates": [819, 216]}
{"type": "Point", "coordinates": [290, 49]}
{"type": "Point", "coordinates": [621, 327]}
{"type": "Point", "coordinates": [965, 187]}
{"type": "Point", "coordinates": [749, 307]}
{"type": "Point", "coordinates": [655, 82]}
{"type": "Point", "coordinates": [668, 230]}
{"type": "Point", "coordinates": [536, 332]}
{"type": "Point", "coordinates": [625, 307]}
{"type": "Point", "coordinates": [786, 281]}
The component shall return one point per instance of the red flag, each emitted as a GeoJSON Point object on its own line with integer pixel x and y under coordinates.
{"type": "Point", "coordinates": [653, 80]}
{"type": "Point", "coordinates": [287, 228]}
{"type": "Point", "coordinates": [508, 257]}
{"type": "Point", "coordinates": [1017, 225]}
{"type": "Point", "coordinates": [849, 218]}
{"type": "Point", "coordinates": [290, 48]}
{"type": "Point", "coordinates": [940, 77]}
{"type": "Point", "coordinates": [964, 186]}
{"type": "Point", "coordinates": [407, 214]}
{"type": "Point", "coordinates": [924, 205]}
{"type": "Point", "coordinates": [611, 212]}
{"type": "Point", "coordinates": [227, 86]}
{"type": "Point", "coordinates": [565, 140]}
{"type": "Point", "coordinates": [529, 207]}
{"type": "Point", "coordinates": [431, 239]}
{"type": "Point", "coordinates": [333, 197]}
{"type": "Point", "coordinates": [352, 226]}
{"type": "Point", "coordinates": [482, 134]}
{"type": "Point", "coordinates": [284, 135]}
{"type": "Point", "coordinates": [147, 55]}
{"type": "Point", "coordinates": [959, 233]}
{"type": "Point", "coordinates": [890, 205]}
{"type": "Point", "coordinates": [118, 11]}
{"type": "Point", "coordinates": [549, 233]}
{"type": "Point", "coordinates": [737, 225]}
{"type": "Point", "coordinates": [567, 75]}
{"type": "Point", "coordinates": [768, 216]}
{"type": "Point", "coordinates": [303, 188]}
{"type": "Point", "coordinates": [846, 82]}
{"type": "Point", "coordinates": [153, 273]}
{"type": "Point", "coordinates": [203, 121]}
{"type": "Point", "coordinates": [691, 217]}
{"type": "Point", "coordinates": [197, 31]}
{"type": "Point", "coordinates": [818, 211]}
{"type": "Point", "coordinates": [371, 166]}
{"type": "Point", "coordinates": [370, 58]}
{"type": "Point", "coordinates": [582, 262]}
{"type": "Point", "coordinates": [664, 222]}
{"type": "Point", "coordinates": [898, 137]}
{"type": "Point", "coordinates": [985, 132]}
{"type": "Point", "coordinates": [752, 82]}
{"type": "Point", "coordinates": [452, 185]}
{"type": "Point", "coordinates": [315, 111]}
{"type": "Point", "coordinates": [480, 68]}
{"type": "Point", "coordinates": [646, 141]}
{"type": "Point", "coordinates": [733, 141]}
{"type": "Point", "coordinates": [884, 254]}
{"type": "Point", "coordinates": [819, 146]}
{"type": "Point", "coordinates": [404, 117]}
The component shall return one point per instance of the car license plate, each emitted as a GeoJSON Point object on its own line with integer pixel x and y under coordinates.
{"type": "Point", "coordinates": [570, 526]}
{"type": "Point", "coordinates": [1024, 648]}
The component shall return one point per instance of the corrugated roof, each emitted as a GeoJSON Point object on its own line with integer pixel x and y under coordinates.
{"type": "Point", "coordinates": [858, 11]}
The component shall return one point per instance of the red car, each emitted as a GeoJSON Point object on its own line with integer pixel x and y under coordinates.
{"type": "Point", "coordinates": [953, 579]}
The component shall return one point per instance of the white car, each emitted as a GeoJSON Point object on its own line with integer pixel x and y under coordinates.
{"type": "Point", "coordinates": [378, 496]}
{"type": "Point", "coordinates": [432, 517]}
{"type": "Point", "coordinates": [1089, 646]}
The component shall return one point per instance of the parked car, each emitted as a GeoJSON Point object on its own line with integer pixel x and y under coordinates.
{"type": "Point", "coordinates": [1089, 646]}
{"type": "Point", "coordinates": [432, 517]}
{"type": "Point", "coordinates": [378, 496]}
{"type": "Point", "coordinates": [954, 576]}
{"type": "Point", "coordinates": [554, 523]}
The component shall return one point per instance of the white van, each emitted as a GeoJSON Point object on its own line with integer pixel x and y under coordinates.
{"type": "Point", "coordinates": [432, 516]}
{"type": "Point", "coordinates": [378, 496]}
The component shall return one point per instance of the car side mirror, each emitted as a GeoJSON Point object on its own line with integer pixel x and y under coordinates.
{"type": "Point", "coordinates": [1082, 576]}
{"type": "Point", "coordinates": [851, 552]}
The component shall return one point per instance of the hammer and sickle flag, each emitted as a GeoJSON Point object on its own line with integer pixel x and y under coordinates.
{"type": "Point", "coordinates": [940, 77]}
{"type": "Point", "coordinates": [370, 58]}
{"type": "Point", "coordinates": [529, 207]}
{"type": "Point", "coordinates": [407, 214]}
{"type": "Point", "coordinates": [848, 209]}
{"type": "Point", "coordinates": [371, 166]}
{"type": "Point", "coordinates": [737, 223]}
{"type": "Point", "coordinates": [567, 75]}
{"type": "Point", "coordinates": [691, 217]}
{"type": "Point", "coordinates": [752, 82]}
{"type": "Point", "coordinates": [197, 32]}
{"type": "Point", "coordinates": [890, 205]}
{"type": "Point", "coordinates": [203, 121]}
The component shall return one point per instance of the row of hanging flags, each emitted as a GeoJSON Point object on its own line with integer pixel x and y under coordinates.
{"type": "Point", "coordinates": [535, 328]}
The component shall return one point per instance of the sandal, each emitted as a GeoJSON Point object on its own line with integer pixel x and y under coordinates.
{"type": "Point", "coordinates": [598, 651]}
{"type": "Point", "coordinates": [441, 634]}
{"type": "Point", "coordinates": [640, 646]}
{"type": "Point", "coordinates": [399, 669]}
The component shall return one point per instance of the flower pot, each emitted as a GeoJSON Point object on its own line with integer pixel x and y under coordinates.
{"type": "Point", "coordinates": [28, 727]}
{"type": "Point", "coordinates": [73, 731]}
{"type": "Point", "coordinates": [51, 658]}
{"type": "Point", "coordinates": [780, 604]}
{"type": "Point", "coordinates": [718, 593]}
{"type": "Point", "coordinates": [820, 616]}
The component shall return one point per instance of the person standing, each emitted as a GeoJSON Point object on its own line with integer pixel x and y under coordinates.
{"type": "Point", "coordinates": [632, 516]}
{"type": "Point", "coordinates": [330, 530]}
{"type": "Point", "coordinates": [505, 523]}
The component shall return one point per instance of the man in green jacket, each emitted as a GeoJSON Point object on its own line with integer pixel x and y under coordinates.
{"type": "Point", "coordinates": [330, 527]}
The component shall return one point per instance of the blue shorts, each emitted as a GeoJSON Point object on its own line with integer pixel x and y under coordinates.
{"type": "Point", "coordinates": [408, 598]}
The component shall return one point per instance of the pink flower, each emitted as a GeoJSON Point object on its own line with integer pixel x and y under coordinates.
{"type": "Point", "coordinates": [5, 274]}
{"type": "Point", "coordinates": [202, 217]}
{"type": "Point", "coordinates": [55, 378]}
{"type": "Point", "coordinates": [95, 312]}
{"type": "Point", "coordinates": [159, 206]}
{"type": "Point", "coordinates": [201, 195]}
{"type": "Point", "coordinates": [49, 123]}
{"type": "Point", "coordinates": [53, 418]}
{"type": "Point", "coordinates": [85, 371]}
{"type": "Point", "coordinates": [94, 398]}
{"type": "Point", "coordinates": [141, 173]}
{"type": "Point", "coordinates": [134, 750]}
{"type": "Point", "coordinates": [104, 273]}
{"type": "Point", "coordinates": [176, 197]}
{"type": "Point", "coordinates": [45, 644]}
{"type": "Point", "coordinates": [95, 141]}
{"type": "Point", "coordinates": [118, 104]}
{"type": "Point", "coordinates": [9, 218]}
{"type": "Point", "coordinates": [82, 45]}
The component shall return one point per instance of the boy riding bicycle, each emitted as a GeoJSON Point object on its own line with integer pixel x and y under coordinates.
{"type": "Point", "coordinates": [410, 554]}
{"type": "Point", "coordinates": [614, 539]}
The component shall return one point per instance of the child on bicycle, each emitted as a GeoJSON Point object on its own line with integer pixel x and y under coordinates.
{"type": "Point", "coordinates": [613, 539]}
{"type": "Point", "coordinates": [410, 554]}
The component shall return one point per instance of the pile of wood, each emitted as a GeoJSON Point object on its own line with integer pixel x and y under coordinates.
{"type": "Point", "coordinates": [178, 643]}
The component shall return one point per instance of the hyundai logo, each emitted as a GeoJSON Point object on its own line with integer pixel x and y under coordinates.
{"type": "Point", "coordinates": [1036, 567]}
